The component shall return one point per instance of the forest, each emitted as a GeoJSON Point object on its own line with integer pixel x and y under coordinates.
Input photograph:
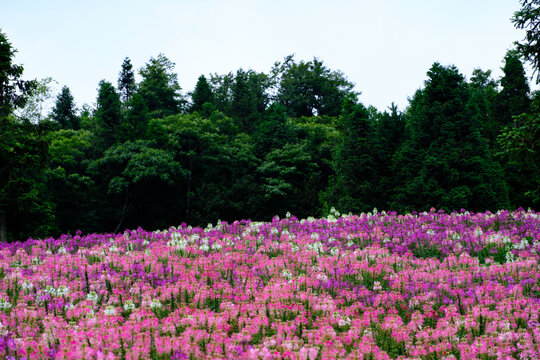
{"type": "Point", "coordinates": [251, 145]}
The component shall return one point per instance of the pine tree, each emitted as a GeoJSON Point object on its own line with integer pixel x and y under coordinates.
{"type": "Point", "coordinates": [126, 81]}
{"type": "Point", "coordinates": [445, 163]}
{"type": "Point", "coordinates": [64, 111]}
{"type": "Point", "coordinates": [514, 97]}
{"type": "Point", "coordinates": [201, 95]}
{"type": "Point", "coordinates": [355, 165]}
{"type": "Point", "coordinates": [108, 113]}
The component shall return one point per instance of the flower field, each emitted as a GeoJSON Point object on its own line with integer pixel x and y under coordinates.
{"type": "Point", "coordinates": [371, 286]}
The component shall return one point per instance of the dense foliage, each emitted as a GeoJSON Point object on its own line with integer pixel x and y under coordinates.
{"type": "Point", "coordinates": [375, 286]}
{"type": "Point", "coordinates": [252, 145]}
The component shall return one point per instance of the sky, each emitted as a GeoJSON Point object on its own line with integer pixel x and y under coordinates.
{"type": "Point", "coordinates": [384, 47]}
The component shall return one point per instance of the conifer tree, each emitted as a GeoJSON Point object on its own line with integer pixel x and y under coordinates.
{"type": "Point", "coordinates": [126, 81]}
{"type": "Point", "coordinates": [64, 111]}
{"type": "Point", "coordinates": [108, 113]}
{"type": "Point", "coordinates": [353, 187]}
{"type": "Point", "coordinates": [201, 95]}
{"type": "Point", "coordinates": [445, 163]}
{"type": "Point", "coordinates": [514, 98]}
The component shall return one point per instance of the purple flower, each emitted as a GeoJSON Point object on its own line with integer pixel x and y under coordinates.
{"type": "Point", "coordinates": [179, 355]}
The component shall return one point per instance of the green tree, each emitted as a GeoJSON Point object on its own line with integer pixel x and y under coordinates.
{"type": "Point", "coordinates": [126, 81]}
{"type": "Point", "coordinates": [135, 122]}
{"type": "Point", "coordinates": [484, 93]}
{"type": "Point", "coordinates": [310, 88]}
{"type": "Point", "coordinates": [388, 136]}
{"type": "Point", "coordinates": [159, 87]}
{"type": "Point", "coordinates": [514, 98]}
{"type": "Point", "coordinates": [445, 162]}
{"type": "Point", "coordinates": [222, 89]}
{"type": "Point", "coordinates": [353, 188]}
{"type": "Point", "coordinates": [528, 19]}
{"type": "Point", "coordinates": [64, 110]}
{"type": "Point", "coordinates": [108, 114]}
{"type": "Point", "coordinates": [37, 102]}
{"type": "Point", "coordinates": [136, 176]}
{"type": "Point", "coordinates": [201, 95]}
{"type": "Point", "coordinates": [14, 92]}
{"type": "Point", "coordinates": [249, 98]}
{"type": "Point", "coordinates": [273, 132]}
{"type": "Point", "coordinates": [25, 209]}
{"type": "Point", "coordinates": [285, 178]}
{"type": "Point", "coordinates": [68, 181]}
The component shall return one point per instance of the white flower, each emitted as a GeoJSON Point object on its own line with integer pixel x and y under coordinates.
{"type": "Point", "coordinates": [62, 250]}
{"type": "Point", "coordinates": [4, 304]}
{"type": "Point", "coordinates": [510, 257]}
{"type": "Point", "coordinates": [27, 285]}
{"type": "Point", "coordinates": [322, 277]}
{"type": "Point", "coordinates": [155, 304]}
{"type": "Point", "coordinates": [287, 274]}
{"type": "Point", "coordinates": [62, 290]}
{"type": "Point", "coordinates": [204, 247]}
{"type": "Point", "coordinates": [216, 246]}
{"type": "Point", "coordinates": [344, 321]}
{"type": "Point", "coordinates": [50, 290]}
{"type": "Point", "coordinates": [316, 247]}
{"type": "Point", "coordinates": [110, 310]}
{"type": "Point", "coordinates": [274, 231]}
{"type": "Point", "coordinates": [129, 305]}
{"type": "Point", "coordinates": [334, 251]}
{"type": "Point", "coordinates": [92, 296]}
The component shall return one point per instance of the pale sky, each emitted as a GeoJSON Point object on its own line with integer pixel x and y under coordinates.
{"type": "Point", "coordinates": [385, 47]}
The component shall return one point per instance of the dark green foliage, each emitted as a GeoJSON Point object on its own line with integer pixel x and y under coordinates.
{"type": "Point", "coordinates": [309, 88]}
{"type": "Point", "coordinates": [249, 99]}
{"type": "Point", "coordinates": [519, 146]}
{"type": "Point", "coordinates": [514, 97]}
{"type": "Point", "coordinates": [483, 97]}
{"type": "Point", "coordinates": [254, 145]}
{"type": "Point", "coordinates": [353, 187]}
{"type": "Point", "coordinates": [273, 132]}
{"type": "Point", "coordinates": [108, 114]}
{"type": "Point", "coordinates": [13, 90]}
{"type": "Point", "coordinates": [26, 208]}
{"type": "Point", "coordinates": [222, 90]}
{"type": "Point", "coordinates": [159, 87]}
{"type": "Point", "coordinates": [201, 95]}
{"type": "Point", "coordinates": [134, 124]}
{"type": "Point", "coordinates": [126, 81]}
{"type": "Point", "coordinates": [445, 162]}
{"type": "Point", "coordinates": [68, 181]}
{"type": "Point", "coordinates": [64, 111]}
{"type": "Point", "coordinates": [131, 174]}
{"type": "Point", "coordinates": [528, 19]}
{"type": "Point", "coordinates": [286, 175]}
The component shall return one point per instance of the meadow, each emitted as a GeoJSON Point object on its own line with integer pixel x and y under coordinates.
{"type": "Point", "coordinates": [428, 285]}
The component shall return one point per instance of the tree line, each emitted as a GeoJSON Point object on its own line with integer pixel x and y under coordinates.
{"type": "Point", "coordinates": [253, 145]}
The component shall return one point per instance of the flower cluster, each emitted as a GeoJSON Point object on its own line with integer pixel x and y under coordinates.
{"type": "Point", "coordinates": [380, 285]}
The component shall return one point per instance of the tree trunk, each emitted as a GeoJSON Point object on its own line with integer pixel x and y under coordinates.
{"type": "Point", "coordinates": [3, 228]}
